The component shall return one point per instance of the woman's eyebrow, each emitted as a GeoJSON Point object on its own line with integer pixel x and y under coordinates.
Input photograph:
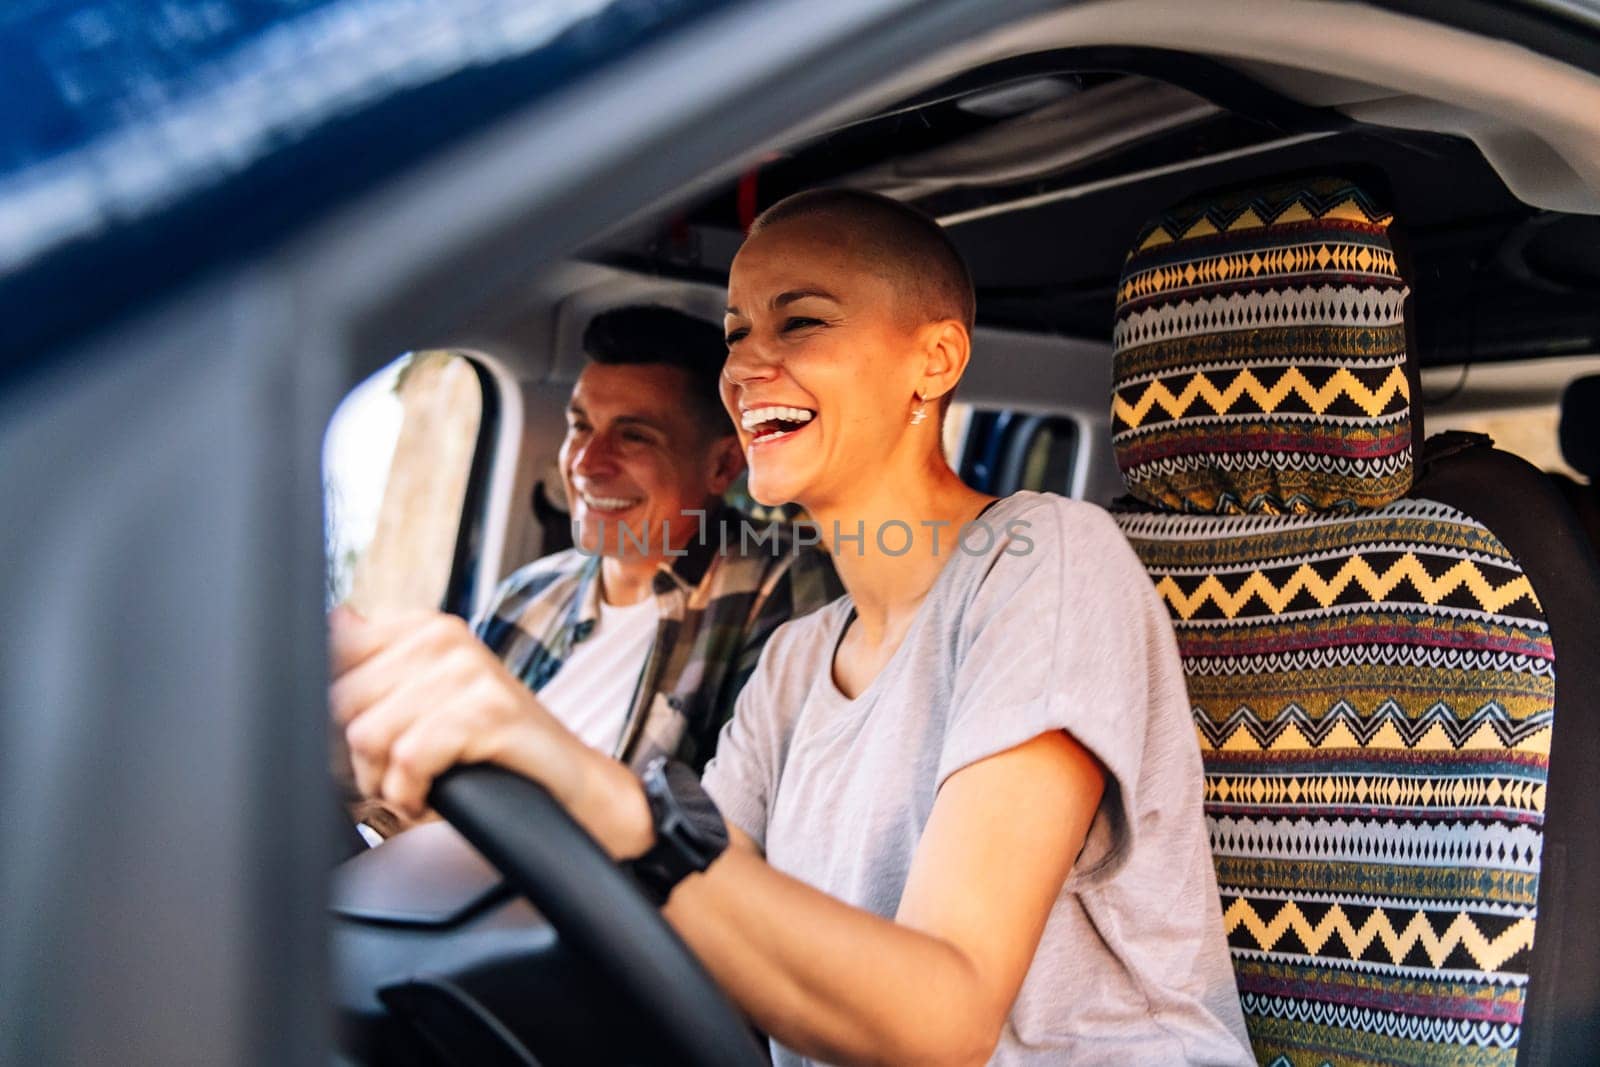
{"type": "Point", "coordinates": [788, 297]}
{"type": "Point", "coordinates": [800, 294]}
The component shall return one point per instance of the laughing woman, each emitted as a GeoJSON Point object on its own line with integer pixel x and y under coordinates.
{"type": "Point", "coordinates": [963, 800]}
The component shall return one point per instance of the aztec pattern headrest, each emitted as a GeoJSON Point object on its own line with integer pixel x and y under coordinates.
{"type": "Point", "coordinates": [1260, 355]}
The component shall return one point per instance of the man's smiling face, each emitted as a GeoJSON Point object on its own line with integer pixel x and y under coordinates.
{"type": "Point", "coordinates": [636, 453]}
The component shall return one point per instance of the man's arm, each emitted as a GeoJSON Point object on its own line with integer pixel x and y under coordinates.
{"type": "Point", "coordinates": [517, 591]}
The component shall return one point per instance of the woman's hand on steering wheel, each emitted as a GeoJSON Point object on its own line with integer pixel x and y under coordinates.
{"type": "Point", "coordinates": [419, 693]}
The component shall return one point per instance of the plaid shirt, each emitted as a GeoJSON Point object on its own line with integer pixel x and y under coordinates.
{"type": "Point", "coordinates": [718, 603]}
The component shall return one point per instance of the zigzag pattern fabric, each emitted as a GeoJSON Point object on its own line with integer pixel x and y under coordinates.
{"type": "Point", "coordinates": [1260, 356]}
{"type": "Point", "coordinates": [1373, 696]}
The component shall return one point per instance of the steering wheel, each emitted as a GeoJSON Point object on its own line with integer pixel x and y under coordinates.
{"type": "Point", "coordinates": [596, 910]}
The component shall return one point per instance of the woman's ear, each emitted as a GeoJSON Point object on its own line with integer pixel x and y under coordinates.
{"type": "Point", "coordinates": [946, 348]}
{"type": "Point", "coordinates": [724, 463]}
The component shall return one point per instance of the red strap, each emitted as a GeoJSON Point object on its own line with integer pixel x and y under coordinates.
{"type": "Point", "coordinates": [747, 199]}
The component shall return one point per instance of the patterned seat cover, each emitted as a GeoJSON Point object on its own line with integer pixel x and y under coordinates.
{"type": "Point", "coordinates": [1371, 676]}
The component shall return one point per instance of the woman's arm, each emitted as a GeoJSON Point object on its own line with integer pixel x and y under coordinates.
{"type": "Point", "coordinates": [936, 984]}
{"type": "Point", "coordinates": [420, 694]}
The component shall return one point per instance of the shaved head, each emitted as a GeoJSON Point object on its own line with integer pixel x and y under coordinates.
{"type": "Point", "coordinates": [893, 240]}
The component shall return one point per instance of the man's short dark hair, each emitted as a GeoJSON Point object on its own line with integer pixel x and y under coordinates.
{"type": "Point", "coordinates": [650, 333]}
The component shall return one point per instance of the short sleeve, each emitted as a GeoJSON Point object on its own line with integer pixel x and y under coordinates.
{"type": "Point", "coordinates": [1060, 635]}
{"type": "Point", "coordinates": [743, 775]}
{"type": "Point", "coordinates": [737, 777]}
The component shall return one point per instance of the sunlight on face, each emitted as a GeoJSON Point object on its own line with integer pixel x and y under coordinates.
{"type": "Point", "coordinates": [633, 454]}
{"type": "Point", "coordinates": [821, 364]}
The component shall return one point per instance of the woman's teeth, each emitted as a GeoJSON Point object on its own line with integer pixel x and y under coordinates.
{"type": "Point", "coordinates": [774, 421]}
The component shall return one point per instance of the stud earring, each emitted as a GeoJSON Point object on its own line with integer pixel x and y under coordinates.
{"type": "Point", "coordinates": [919, 412]}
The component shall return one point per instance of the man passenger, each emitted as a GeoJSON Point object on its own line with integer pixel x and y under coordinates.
{"type": "Point", "coordinates": [662, 594]}
{"type": "Point", "coordinates": [640, 637]}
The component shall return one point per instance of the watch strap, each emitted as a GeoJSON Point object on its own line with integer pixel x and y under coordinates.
{"type": "Point", "coordinates": [690, 831]}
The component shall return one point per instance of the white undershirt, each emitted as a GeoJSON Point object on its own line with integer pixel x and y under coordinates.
{"type": "Point", "coordinates": [592, 690]}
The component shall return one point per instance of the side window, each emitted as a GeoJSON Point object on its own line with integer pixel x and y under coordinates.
{"type": "Point", "coordinates": [1044, 455]}
{"type": "Point", "coordinates": [405, 464]}
{"type": "Point", "coordinates": [1517, 403]}
{"type": "Point", "coordinates": [1003, 451]}
{"type": "Point", "coordinates": [1530, 432]}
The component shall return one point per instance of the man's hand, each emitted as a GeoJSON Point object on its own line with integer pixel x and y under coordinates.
{"type": "Point", "coordinates": [418, 693]}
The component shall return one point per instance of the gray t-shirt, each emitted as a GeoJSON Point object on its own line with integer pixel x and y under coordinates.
{"type": "Point", "coordinates": [1055, 627]}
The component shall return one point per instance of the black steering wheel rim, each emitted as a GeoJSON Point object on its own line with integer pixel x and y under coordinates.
{"type": "Point", "coordinates": [596, 910]}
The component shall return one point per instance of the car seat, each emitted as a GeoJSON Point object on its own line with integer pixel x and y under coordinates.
{"type": "Point", "coordinates": [1390, 650]}
{"type": "Point", "coordinates": [1580, 446]}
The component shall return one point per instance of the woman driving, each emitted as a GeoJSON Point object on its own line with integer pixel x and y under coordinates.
{"type": "Point", "coordinates": [962, 802]}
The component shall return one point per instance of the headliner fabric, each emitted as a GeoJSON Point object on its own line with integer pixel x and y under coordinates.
{"type": "Point", "coordinates": [1261, 356]}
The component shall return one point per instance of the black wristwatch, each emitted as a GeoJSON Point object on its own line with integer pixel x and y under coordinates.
{"type": "Point", "coordinates": [690, 831]}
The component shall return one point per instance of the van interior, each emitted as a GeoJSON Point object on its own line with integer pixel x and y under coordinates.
{"type": "Point", "coordinates": [181, 325]}
{"type": "Point", "coordinates": [1042, 162]}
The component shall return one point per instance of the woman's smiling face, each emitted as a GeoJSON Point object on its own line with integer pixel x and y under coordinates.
{"type": "Point", "coordinates": [821, 374]}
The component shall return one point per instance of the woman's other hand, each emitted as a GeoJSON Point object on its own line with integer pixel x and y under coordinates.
{"type": "Point", "coordinates": [418, 693]}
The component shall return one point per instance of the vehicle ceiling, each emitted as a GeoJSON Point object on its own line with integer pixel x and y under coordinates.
{"type": "Point", "coordinates": [1043, 165]}
{"type": "Point", "coordinates": [1485, 114]}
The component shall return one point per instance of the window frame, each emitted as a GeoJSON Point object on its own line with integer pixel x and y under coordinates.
{"type": "Point", "coordinates": [995, 447]}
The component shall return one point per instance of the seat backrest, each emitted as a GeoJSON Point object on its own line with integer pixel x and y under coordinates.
{"type": "Point", "coordinates": [1372, 675]}
{"type": "Point", "coordinates": [1580, 446]}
